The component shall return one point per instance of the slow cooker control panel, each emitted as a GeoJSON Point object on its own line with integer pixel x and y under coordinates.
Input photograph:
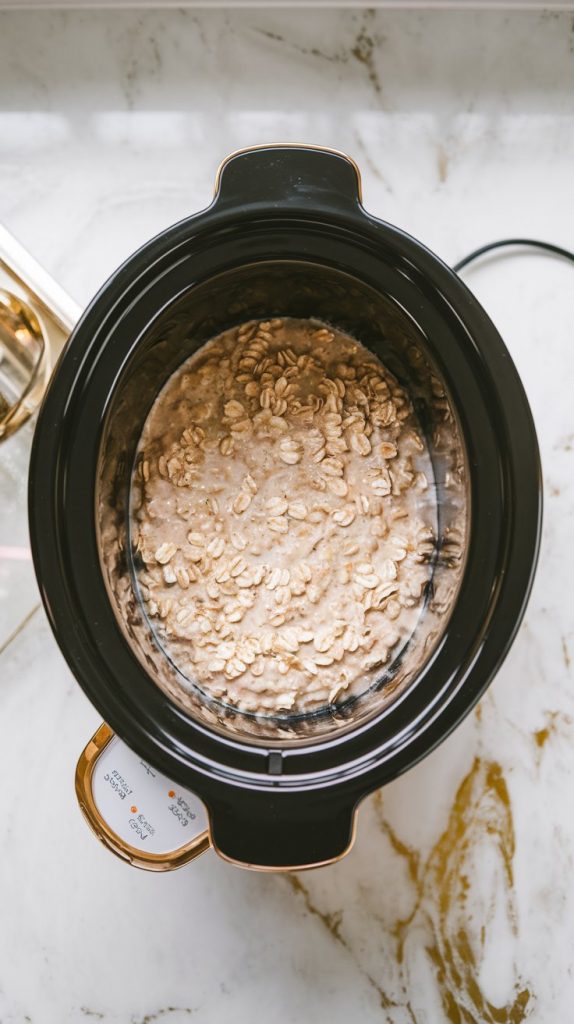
{"type": "Point", "coordinates": [136, 810]}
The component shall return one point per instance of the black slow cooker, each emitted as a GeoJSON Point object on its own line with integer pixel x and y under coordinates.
{"type": "Point", "coordinates": [286, 235]}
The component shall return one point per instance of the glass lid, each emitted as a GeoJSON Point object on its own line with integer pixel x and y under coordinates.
{"type": "Point", "coordinates": [283, 503]}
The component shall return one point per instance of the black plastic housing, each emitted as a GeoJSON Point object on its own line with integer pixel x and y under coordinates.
{"type": "Point", "coordinates": [280, 214]}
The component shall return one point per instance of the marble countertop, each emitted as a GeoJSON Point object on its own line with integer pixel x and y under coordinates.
{"type": "Point", "coordinates": [456, 903]}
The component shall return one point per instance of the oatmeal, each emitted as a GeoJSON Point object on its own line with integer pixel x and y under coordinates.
{"type": "Point", "coordinates": [285, 523]}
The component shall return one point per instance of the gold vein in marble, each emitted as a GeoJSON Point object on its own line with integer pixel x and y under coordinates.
{"type": "Point", "coordinates": [332, 922]}
{"type": "Point", "coordinates": [443, 885]}
{"type": "Point", "coordinates": [555, 721]}
{"type": "Point", "coordinates": [19, 628]}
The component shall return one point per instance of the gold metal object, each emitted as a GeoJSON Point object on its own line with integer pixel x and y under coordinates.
{"type": "Point", "coordinates": [41, 289]}
{"type": "Point", "coordinates": [24, 362]}
{"type": "Point", "coordinates": [100, 828]}
{"type": "Point", "coordinates": [36, 317]}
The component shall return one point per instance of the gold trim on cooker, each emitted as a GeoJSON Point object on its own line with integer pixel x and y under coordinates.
{"type": "Point", "coordinates": [150, 861]}
{"type": "Point", "coordinates": [288, 145]}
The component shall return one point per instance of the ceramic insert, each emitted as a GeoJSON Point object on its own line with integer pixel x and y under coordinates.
{"type": "Point", "coordinates": [284, 518]}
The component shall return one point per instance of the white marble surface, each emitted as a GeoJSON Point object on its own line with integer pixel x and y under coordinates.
{"type": "Point", "coordinates": [112, 126]}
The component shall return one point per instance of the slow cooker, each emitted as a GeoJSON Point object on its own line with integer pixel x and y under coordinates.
{"type": "Point", "coordinates": [286, 235]}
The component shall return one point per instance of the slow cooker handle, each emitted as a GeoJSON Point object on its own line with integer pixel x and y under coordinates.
{"type": "Point", "coordinates": [282, 831]}
{"type": "Point", "coordinates": [289, 176]}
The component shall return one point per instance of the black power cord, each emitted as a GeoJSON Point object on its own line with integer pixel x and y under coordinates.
{"type": "Point", "coordinates": [530, 243]}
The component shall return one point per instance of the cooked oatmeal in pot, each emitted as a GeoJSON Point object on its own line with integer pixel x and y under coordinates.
{"type": "Point", "coordinates": [284, 524]}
